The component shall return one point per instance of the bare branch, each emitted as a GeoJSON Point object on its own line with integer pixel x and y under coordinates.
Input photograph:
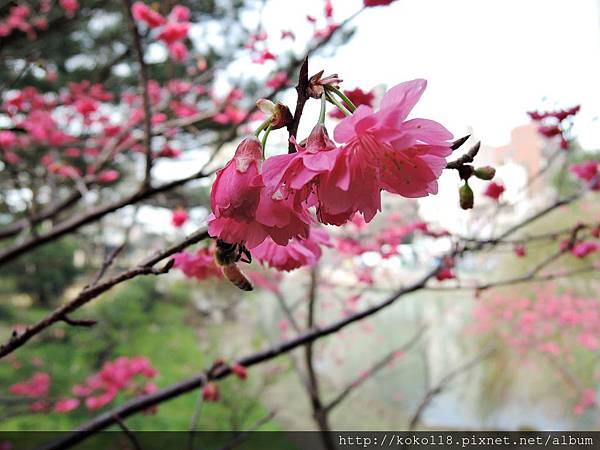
{"type": "Point", "coordinates": [92, 291]}
{"type": "Point", "coordinates": [374, 369]}
{"type": "Point", "coordinates": [443, 384]}
{"type": "Point", "coordinates": [143, 83]}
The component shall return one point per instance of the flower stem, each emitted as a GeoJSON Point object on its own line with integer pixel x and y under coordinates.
{"type": "Point", "coordinates": [264, 139]}
{"type": "Point", "coordinates": [323, 109]}
{"type": "Point", "coordinates": [341, 107]}
{"type": "Point", "coordinates": [262, 126]}
{"type": "Point", "coordinates": [340, 94]}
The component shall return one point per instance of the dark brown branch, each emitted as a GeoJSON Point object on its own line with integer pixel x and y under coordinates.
{"type": "Point", "coordinates": [143, 84]}
{"type": "Point", "coordinates": [318, 408]}
{"type": "Point", "coordinates": [374, 369]}
{"type": "Point", "coordinates": [301, 90]}
{"type": "Point", "coordinates": [245, 434]}
{"type": "Point", "coordinates": [90, 216]}
{"type": "Point", "coordinates": [518, 280]}
{"type": "Point", "coordinates": [47, 213]}
{"type": "Point", "coordinates": [128, 433]}
{"type": "Point", "coordinates": [90, 292]}
{"type": "Point", "coordinates": [467, 158]}
{"type": "Point", "coordinates": [79, 322]}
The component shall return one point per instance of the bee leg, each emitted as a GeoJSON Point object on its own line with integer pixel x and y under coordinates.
{"type": "Point", "coordinates": [246, 253]}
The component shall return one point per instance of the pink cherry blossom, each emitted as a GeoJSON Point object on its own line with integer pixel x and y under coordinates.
{"type": "Point", "coordinates": [37, 386]}
{"type": "Point", "coordinates": [520, 250]}
{"type": "Point", "coordinates": [236, 191]}
{"type": "Point", "coordinates": [494, 190]}
{"type": "Point", "coordinates": [66, 405]}
{"type": "Point", "coordinates": [281, 217]}
{"type": "Point", "coordinates": [586, 171]}
{"type": "Point", "coordinates": [369, 3]}
{"type": "Point", "coordinates": [179, 217]}
{"type": "Point", "coordinates": [180, 13]}
{"type": "Point", "coordinates": [296, 170]}
{"type": "Point", "coordinates": [297, 253]}
{"type": "Point", "coordinates": [383, 151]}
{"type": "Point", "coordinates": [144, 13]}
{"type": "Point", "coordinates": [107, 176]}
{"type": "Point", "coordinates": [264, 56]}
{"type": "Point", "coordinates": [200, 265]}
{"type": "Point", "coordinates": [178, 51]}
{"type": "Point", "coordinates": [583, 249]}
{"type": "Point", "coordinates": [173, 32]}
{"type": "Point", "coordinates": [278, 80]}
{"type": "Point", "coordinates": [69, 6]}
{"type": "Point", "coordinates": [8, 139]}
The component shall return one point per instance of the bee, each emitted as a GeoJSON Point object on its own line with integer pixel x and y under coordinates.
{"type": "Point", "coordinates": [227, 256]}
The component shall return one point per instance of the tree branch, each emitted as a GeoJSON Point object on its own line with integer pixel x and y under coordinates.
{"type": "Point", "coordinates": [374, 369]}
{"type": "Point", "coordinates": [92, 291]}
{"type": "Point", "coordinates": [143, 83]}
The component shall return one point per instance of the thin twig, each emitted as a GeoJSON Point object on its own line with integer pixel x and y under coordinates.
{"type": "Point", "coordinates": [374, 369]}
{"type": "Point", "coordinates": [444, 382]}
{"type": "Point", "coordinates": [143, 83]}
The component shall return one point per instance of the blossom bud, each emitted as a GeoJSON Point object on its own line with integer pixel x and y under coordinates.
{"type": "Point", "coordinates": [240, 371]}
{"type": "Point", "coordinates": [210, 392]}
{"type": "Point", "coordinates": [466, 196]}
{"type": "Point", "coordinates": [485, 172]}
{"type": "Point", "coordinates": [280, 114]}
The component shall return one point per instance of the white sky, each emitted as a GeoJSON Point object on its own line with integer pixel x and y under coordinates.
{"type": "Point", "coordinates": [487, 61]}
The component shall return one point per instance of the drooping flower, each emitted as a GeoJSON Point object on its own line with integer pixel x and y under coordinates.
{"type": "Point", "coordinates": [383, 151]}
{"type": "Point", "coordinates": [280, 216]}
{"type": "Point", "coordinates": [236, 191]}
{"type": "Point", "coordinates": [494, 190]}
{"type": "Point", "coordinates": [296, 170]}
{"type": "Point", "coordinates": [297, 253]}
{"type": "Point", "coordinates": [200, 265]}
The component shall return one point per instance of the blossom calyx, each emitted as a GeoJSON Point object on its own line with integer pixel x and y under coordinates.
{"type": "Point", "coordinates": [316, 84]}
{"type": "Point", "coordinates": [280, 114]}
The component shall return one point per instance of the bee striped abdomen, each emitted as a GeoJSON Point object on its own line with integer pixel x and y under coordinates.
{"type": "Point", "coordinates": [233, 273]}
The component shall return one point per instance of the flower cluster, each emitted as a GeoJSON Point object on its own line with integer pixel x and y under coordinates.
{"type": "Point", "coordinates": [588, 172]}
{"type": "Point", "coordinates": [98, 390]}
{"type": "Point", "coordinates": [555, 124]}
{"type": "Point", "coordinates": [172, 31]}
{"type": "Point", "coordinates": [21, 17]}
{"type": "Point", "coordinates": [114, 377]}
{"type": "Point", "coordinates": [552, 325]}
{"type": "Point", "coordinates": [381, 150]}
{"type": "Point", "coordinates": [200, 265]}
